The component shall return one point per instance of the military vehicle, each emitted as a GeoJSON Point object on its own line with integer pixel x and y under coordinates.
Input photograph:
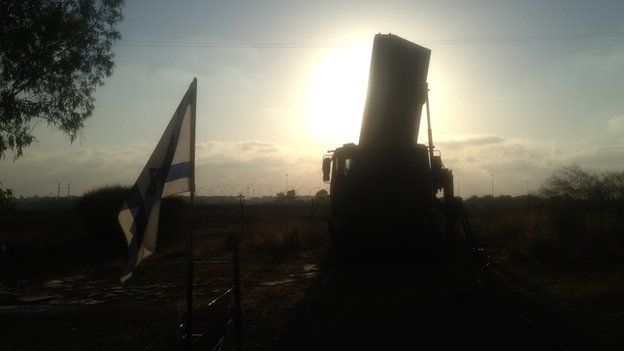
{"type": "Point", "coordinates": [389, 190]}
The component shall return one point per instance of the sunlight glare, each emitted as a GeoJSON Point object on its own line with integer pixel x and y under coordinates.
{"type": "Point", "coordinates": [337, 92]}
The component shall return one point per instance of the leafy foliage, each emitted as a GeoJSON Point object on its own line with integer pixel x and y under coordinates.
{"type": "Point", "coordinates": [7, 200]}
{"type": "Point", "coordinates": [578, 184]}
{"type": "Point", "coordinates": [53, 54]}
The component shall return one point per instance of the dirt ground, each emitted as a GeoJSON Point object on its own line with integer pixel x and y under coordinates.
{"type": "Point", "coordinates": [424, 307]}
{"type": "Point", "coordinates": [590, 296]}
{"type": "Point", "coordinates": [65, 300]}
{"type": "Point", "coordinates": [293, 300]}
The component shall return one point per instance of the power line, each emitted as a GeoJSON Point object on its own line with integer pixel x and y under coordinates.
{"type": "Point", "coordinates": [224, 45]}
{"type": "Point", "coordinates": [504, 39]}
{"type": "Point", "coordinates": [295, 45]}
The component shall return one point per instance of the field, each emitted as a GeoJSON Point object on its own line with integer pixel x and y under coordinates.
{"type": "Point", "coordinates": [59, 286]}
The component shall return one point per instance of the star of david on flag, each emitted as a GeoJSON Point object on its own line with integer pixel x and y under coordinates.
{"type": "Point", "coordinates": [170, 170]}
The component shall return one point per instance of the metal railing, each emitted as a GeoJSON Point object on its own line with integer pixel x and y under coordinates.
{"type": "Point", "coordinates": [213, 328]}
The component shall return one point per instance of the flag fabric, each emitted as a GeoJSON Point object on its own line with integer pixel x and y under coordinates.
{"type": "Point", "coordinates": [170, 170]}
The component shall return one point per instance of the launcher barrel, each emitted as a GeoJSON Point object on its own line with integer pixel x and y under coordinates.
{"type": "Point", "coordinates": [397, 87]}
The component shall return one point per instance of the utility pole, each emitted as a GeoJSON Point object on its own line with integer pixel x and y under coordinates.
{"type": "Point", "coordinates": [286, 184]}
{"type": "Point", "coordinates": [492, 185]}
{"type": "Point", "coordinates": [68, 187]}
{"type": "Point", "coordinates": [58, 190]}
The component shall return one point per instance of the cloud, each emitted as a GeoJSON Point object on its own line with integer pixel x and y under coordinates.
{"type": "Point", "coordinates": [225, 152]}
{"type": "Point", "coordinates": [258, 147]}
{"type": "Point", "coordinates": [513, 161]}
{"type": "Point", "coordinates": [217, 162]}
{"type": "Point", "coordinates": [616, 122]}
{"type": "Point", "coordinates": [471, 141]}
{"type": "Point", "coordinates": [603, 157]}
{"type": "Point", "coordinates": [257, 162]}
{"type": "Point", "coordinates": [229, 166]}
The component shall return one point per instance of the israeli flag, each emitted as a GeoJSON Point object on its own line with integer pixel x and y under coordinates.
{"type": "Point", "coordinates": [170, 170]}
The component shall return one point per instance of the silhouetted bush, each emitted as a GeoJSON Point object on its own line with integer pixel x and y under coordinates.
{"type": "Point", "coordinates": [99, 209]}
{"type": "Point", "coordinates": [174, 220]}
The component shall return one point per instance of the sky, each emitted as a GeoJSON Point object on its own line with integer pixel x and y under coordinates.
{"type": "Point", "coordinates": [517, 89]}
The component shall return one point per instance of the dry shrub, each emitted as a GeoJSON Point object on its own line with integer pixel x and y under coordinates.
{"type": "Point", "coordinates": [276, 239]}
{"type": "Point", "coordinates": [558, 237]}
{"type": "Point", "coordinates": [283, 238]}
{"type": "Point", "coordinates": [532, 235]}
{"type": "Point", "coordinates": [603, 237]}
{"type": "Point", "coordinates": [505, 227]}
{"type": "Point", "coordinates": [580, 216]}
{"type": "Point", "coordinates": [586, 209]}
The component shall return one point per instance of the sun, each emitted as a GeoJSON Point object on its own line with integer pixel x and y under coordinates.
{"type": "Point", "coordinates": [337, 91]}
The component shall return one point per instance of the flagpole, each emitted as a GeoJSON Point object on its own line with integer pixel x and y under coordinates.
{"type": "Point", "coordinates": [189, 280]}
{"type": "Point", "coordinates": [238, 314]}
{"type": "Point", "coordinates": [190, 263]}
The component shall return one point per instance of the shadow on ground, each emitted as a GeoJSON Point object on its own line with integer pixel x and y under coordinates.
{"type": "Point", "coordinates": [439, 307]}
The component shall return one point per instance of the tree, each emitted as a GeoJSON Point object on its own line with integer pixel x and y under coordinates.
{"type": "Point", "coordinates": [291, 195]}
{"type": "Point", "coordinates": [321, 194]}
{"type": "Point", "coordinates": [7, 200]}
{"type": "Point", "coordinates": [576, 183]}
{"type": "Point", "coordinates": [571, 182]}
{"type": "Point", "coordinates": [53, 54]}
